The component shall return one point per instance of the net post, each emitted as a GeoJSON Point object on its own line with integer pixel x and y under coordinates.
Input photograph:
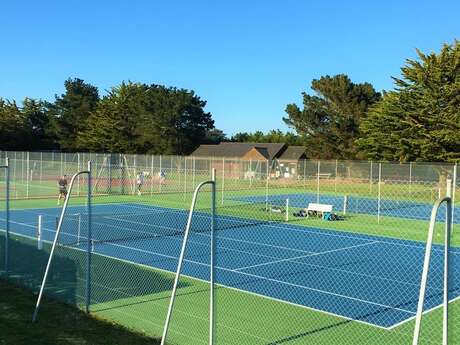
{"type": "Point", "coordinates": [345, 204]}
{"type": "Point", "coordinates": [287, 210]}
{"type": "Point", "coordinates": [39, 232]}
{"type": "Point", "coordinates": [89, 247]}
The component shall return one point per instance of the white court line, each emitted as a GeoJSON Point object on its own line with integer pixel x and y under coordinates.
{"type": "Point", "coordinates": [254, 254]}
{"type": "Point", "coordinates": [228, 238]}
{"type": "Point", "coordinates": [296, 228]}
{"type": "Point", "coordinates": [424, 313]}
{"type": "Point", "coordinates": [317, 231]}
{"type": "Point", "coordinates": [306, 256]}
{"type": "Point", "coordinates": [261, 277]}
{"type": "Point", "coordinates": [237, 289]}
{"type": "Point", "coordinates": [284, 259]}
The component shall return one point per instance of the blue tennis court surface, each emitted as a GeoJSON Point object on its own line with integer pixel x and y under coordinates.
{"type": "Point", "coordinates": [362, 205]}
{"type": "Point", "coordinates": [370, 279]}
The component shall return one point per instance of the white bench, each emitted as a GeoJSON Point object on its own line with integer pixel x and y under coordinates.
{"type": "Point", "coordinates": [318, 208]}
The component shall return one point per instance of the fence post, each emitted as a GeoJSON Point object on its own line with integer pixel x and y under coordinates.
{"type": "Point", "coordinates": [317, 181]}
{"type": "Point", "coordinates": [193, 172]}
{"type": "Point", "coordinates": [27, 174]}
{"type": "Point", "coordinates": [379, 193]}
{"type": "Point", "coordinates": [159, 174]}
{"type": "Point", "coordinates": [212, 260]}
{"type": "Point", "coordinates": [185, 177]}
{"type": "Point", "coordinates": [78, 169]}
{"type": "Point", "coordinates": [410, 177]}
{"type": "Point", "coordinates": [41, 167]}
{"type": "Point", "coordinates": [305, 174]}
{"type": "Point", "coordinates": [370, 179]}
{"type": "Point", "coordinates": [267, 179]}
{"type": "Point", "coordinates": [89, 244]}
{"type": "Point", "coordinates": [336, 173]}
{"type": "Point", "coordinates": [7, 211]}
{"type": "Point", "coordinates": [223, 179]}
{"type": "Point", "coordinates": [454, 187]}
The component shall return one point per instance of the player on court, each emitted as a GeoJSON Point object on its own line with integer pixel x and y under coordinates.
{"type": "Point", "coordinates": [62, 185]}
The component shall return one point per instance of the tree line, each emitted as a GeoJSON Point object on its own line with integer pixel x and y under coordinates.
{"type": "Point", "coordinates": [419, 120]}
{"type": "Point", "coordinates": [131, 118]}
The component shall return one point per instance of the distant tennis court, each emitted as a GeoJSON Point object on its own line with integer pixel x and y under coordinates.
{"type": "Point", "coordinates": [407, 209]}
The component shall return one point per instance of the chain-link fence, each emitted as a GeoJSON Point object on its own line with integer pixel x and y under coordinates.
{"type": "Point", "coordinates": [307, 252]}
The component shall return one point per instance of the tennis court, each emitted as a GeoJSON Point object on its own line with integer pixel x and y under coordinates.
{"type": "Point", "coordinates": [370, 279]}
{"type": "Point", "coordinates": [387, 207]}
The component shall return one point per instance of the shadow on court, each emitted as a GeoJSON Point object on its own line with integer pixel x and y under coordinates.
{"type": "Point", "coordinates": [116, 283]}
{"type": "Point", "coordinates": [27, 265]}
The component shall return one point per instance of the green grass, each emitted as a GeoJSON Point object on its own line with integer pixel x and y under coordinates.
{"type": "Point", "coordinates": [58, 323]}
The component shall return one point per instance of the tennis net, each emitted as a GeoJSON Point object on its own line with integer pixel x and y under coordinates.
{"type": "Point", "coordinates": [118, 227]}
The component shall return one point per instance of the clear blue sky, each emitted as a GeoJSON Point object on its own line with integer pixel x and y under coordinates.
{"type": "Point", "coordinates": [248, 59]}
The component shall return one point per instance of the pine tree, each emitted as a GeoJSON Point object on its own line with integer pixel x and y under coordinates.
{"type": "Point", "coordinates": [420, 120]}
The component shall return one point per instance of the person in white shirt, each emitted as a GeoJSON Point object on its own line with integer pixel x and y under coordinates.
{"type": "Point", "coordinates": [139, 182]}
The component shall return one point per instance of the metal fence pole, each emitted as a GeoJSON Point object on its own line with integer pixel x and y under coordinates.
{"type": "Point", "coordinates": [181, 261]}
{"type": "Point", "coordinates": [89, 243]}
{"type": "Point", "coordinates": [410, 177]}
{"type": "Point", "coordinates": [53, 247]}
{"type": "Point", "coordinates": [78, 168]}
{"type": "Point", "coordinates": [160, 174]}
{"type": "Point", "coordinates": [370, 179]}
{"type": "Point", "coordinates": [305, 174]}
{"type": "Point", "coordinates": [379, 200]}
{"type": "Point", "coordinates": [185, 177]}
{"type": "Point", "coordinates": [41, 167]}
{"type": "Point", "coordinates": [336, 173]}
{"type": "Point", "coordinates": [27, 174]}
{"type": "Point", "coordinates": [151, 175]}
{"type": "Point", "coordinates": [193, 171]}
{"type": "Point", "coordinates": [454, 187]}
{"type": "Point", "coordinates": [317, 181]}
{"type": "Point", "coordinates": [426, 267]}
{"type": "Point", "coordinates": [267, 181]}
{"type": "Point", "coordinates": [7, 211]}
{"type": "Point", "coordinates": [223, 179]}
{"type": "Point", "coordinates": [212, 260]}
